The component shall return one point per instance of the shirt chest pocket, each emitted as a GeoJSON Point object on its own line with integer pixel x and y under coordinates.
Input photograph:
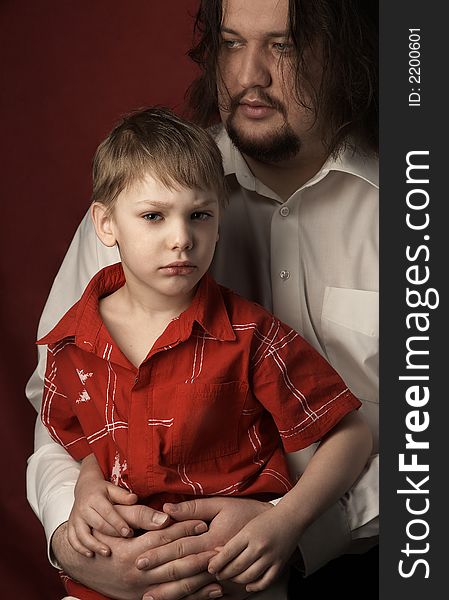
{"type": "Point", "coordinates": [206, 421]}
{"type": "Point", "coordinates": [350, 326]}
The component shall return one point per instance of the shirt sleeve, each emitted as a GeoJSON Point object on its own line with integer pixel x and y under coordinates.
{"type": "Point", "coordinates": [57, 412]}
{"type": "Point", "coordinates": [51, 476]}
{"type": "Point", "coordinates": [304, 394]}
{"type": "Point", "coordinates": [51, 471]}
{"type": "Point", "coordinates": [307, 398]}
{"type": "Point", "coordinates": [349, 526]}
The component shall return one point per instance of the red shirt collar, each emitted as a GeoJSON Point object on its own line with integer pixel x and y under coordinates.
{"type": "Point", "coordinates": [84, 323]}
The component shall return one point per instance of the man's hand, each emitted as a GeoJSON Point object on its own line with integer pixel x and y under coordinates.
{"type": "Point", "coordinates": [116, 575]}
{"type": "Point", "coordinates": [227, 516]}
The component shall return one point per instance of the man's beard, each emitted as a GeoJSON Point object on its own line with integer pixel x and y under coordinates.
{"type": "Point", "coordinates": [274, 147]}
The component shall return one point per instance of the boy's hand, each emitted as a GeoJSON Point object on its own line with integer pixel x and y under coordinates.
{"type": "Point", "coordinates": [257, 555]}
{"type": "Point", "coordinates": [94, 509]}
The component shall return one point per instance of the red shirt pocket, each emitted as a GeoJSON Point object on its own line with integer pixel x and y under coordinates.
{"type": "Point", "coordinates": [207, 418]}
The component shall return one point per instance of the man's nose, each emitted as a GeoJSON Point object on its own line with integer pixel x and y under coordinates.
{"type": "Point", "coordinates": [254, 69]}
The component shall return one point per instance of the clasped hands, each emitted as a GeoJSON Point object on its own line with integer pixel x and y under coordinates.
{"type": "Point", "coordinates": [182, 557]}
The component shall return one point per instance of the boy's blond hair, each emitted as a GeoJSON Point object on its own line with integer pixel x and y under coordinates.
{"type": "Point", "coordinates": [157, 142]}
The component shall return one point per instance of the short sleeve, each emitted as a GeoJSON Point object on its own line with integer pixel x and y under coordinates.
{"type": "Point", "coordinates": [57, 412]}
{"type": "Point", "coordinates": [304, 394]}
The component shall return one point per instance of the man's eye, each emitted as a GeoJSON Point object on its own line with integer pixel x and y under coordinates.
{"type": "Point", "coordinates": [230, 43]}
{"type": "Point", "coordinates": [200, 216]}
{"type": "Point", "coordinates": [283, 47]}
{"type": "Point", "coordinates": [152, 217]}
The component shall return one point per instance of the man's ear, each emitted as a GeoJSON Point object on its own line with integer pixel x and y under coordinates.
{"type": "Point", "coordinates": [103, 223]}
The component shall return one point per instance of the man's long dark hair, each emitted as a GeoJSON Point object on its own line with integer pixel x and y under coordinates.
{"type": "Point", "coordinates": [346, 102]}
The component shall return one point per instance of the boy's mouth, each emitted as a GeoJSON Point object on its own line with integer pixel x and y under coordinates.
{"type": "Point", "coordinates": [180, 267]}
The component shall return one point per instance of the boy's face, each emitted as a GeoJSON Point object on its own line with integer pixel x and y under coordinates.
{"type": "Point", "coordinates": [166, 237]}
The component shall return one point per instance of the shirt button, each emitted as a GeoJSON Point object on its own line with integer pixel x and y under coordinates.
{"type": "Point", "coordinates": [285, 211]}
{"type": "Point", "coordinates": [284, 275]}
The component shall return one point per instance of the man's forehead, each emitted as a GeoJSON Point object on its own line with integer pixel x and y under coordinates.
{"type": "Point", "coordinates": [259, 16]}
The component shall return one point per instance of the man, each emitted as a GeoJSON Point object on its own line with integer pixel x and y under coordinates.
{"type": "Point", "coordinates": [295, 86]}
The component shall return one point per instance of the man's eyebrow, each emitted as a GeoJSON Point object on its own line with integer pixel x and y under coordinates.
{"type": "Point", "coordinates": [269, 34]}
{"type": "Point", "coordinates": [227, 30]}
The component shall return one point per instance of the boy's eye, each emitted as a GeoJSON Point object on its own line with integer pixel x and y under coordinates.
{"type": "Point", "coordinates": [152, 217]}
{"type": "Point", "coordinates": [200, 216]}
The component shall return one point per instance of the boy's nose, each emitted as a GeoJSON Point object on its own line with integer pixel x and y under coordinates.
{"type": "Point", "coordinates": [182, 238]}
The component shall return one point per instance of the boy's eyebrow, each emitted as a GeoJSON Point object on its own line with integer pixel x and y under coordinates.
{"type": "Point", "coordinates": [269, 34]}
{"type": "Point", "coordinates": [157, 203]}
{"type": "Point", "coordinates": [162, 204]}
{"type": "Point", "coordinates": [206, 202]}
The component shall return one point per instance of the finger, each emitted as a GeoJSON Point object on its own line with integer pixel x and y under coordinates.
{"type": "Point", "coordinates": [265, 581]}
{"type": "Point", "coordinates": [202, 508]}
{"type": "Point", "coordinates": [119, 495]}
{"type": "Point", "coordinates": [185, 546]}
{"type": "Point", "coordinates": [111, 516]}
{"type": "Point", "coordinates": [143, 517]}
{"type": "Point", "coordinates": [192, 587]}
{"type": "Point", "coordinates": [239, 565]}
{"type": "Point", "coordinates": [181, 533]}
{"type": "Point", "coordinates": [97, 522]}
{"type": "Point", "coordinates": [82, 540]}
{"type": "Point", "coordinates": [107, 530]}
{"type": "Point", "coordinates": [76, 544]}
{"type": "Point", "coordinates": [181, 568]}
{"type": "Point", "coordinates": [154, 539]}
{"type": "Point", "coordinates": [252, 574]}
{"type": "Point", "coordinates": [233, 551]}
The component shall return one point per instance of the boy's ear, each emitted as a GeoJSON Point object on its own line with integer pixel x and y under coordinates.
{"type": "Point", "coordinates": [103, 223]}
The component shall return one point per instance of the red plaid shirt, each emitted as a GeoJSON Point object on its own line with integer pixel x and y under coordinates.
{"type": "Point", "coordinates": [206, 411]}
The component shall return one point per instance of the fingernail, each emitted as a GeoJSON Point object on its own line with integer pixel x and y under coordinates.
{"type": "Point", "coordinates": [170, 507]}
{"type": "Point", "coordinates": [143, 563]}
{"type": "Point", "coordinates": [147, 598]}
{"type": "Point", "coordinates": [200, 528]}
{"type": "Point", "coordinates": [105, 551]}
{"type": "Point", "coordinates": [159, 518]}
{"type": "Point", "coordinates": [211, 570]}
{"type": "Point", "coordinates": [126, 532]}
{"type": "Point", "coordinates": [216, 594]}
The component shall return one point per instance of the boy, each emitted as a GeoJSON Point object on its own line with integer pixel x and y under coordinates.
{"type": "Point", "coordinates": [176, 387]}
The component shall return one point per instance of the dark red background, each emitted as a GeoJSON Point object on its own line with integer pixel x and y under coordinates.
{"type": "Point", "coordinates": [69, 70]}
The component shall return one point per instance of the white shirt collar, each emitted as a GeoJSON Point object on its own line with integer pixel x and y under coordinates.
{"type": "Point", "coordinates": [348, 161]}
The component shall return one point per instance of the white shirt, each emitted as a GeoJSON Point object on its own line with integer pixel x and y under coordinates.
{"type": "Point", "coordinates": [313, 261]}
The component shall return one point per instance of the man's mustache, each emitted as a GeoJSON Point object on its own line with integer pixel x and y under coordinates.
{"type": "Point", "coordinates": [261, 95]}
